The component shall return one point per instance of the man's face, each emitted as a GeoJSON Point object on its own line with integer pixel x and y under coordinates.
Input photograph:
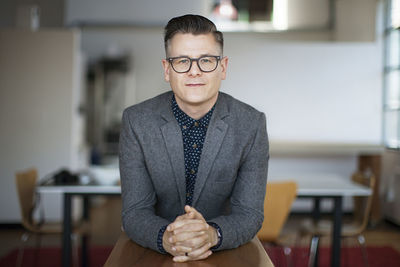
{"type": "Point", "coordinates": [195, 88]}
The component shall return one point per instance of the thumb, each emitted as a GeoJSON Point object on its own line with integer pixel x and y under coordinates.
{"type": "Point", "coordinates": [191, 210]}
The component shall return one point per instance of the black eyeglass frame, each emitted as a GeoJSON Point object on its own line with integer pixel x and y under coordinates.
{"type": "Point", "coordinates": [170, 59]}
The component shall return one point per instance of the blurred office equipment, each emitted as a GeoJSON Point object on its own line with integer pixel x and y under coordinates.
{"type": "Point", "coordinates": [106, 93]}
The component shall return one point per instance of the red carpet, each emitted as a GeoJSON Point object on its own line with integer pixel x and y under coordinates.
{"type": "Point", "coordinates": [351, 257]}
{"type": "Point", "coordinates": [51, 257]}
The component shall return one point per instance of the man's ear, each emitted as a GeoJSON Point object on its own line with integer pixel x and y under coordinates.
{"type": "Point", "coordinates": [224, 66]}
{"type": "Point", "coordinates": [166, 68]}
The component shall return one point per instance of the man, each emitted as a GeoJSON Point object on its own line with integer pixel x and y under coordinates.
{"type": "Point", "coordinates": [193, 161]}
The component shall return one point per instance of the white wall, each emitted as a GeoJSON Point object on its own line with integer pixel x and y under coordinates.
{"type": "Point", "coordinates": [38, 110]}
{"type": "Point", "coordinates": [310, 90]}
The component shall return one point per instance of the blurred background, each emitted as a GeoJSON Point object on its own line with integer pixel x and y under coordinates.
{"type": "Point", "coordinates": [325, 72]}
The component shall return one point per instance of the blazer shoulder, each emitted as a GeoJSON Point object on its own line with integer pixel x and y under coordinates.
{"type": "Point", "coordinates": [239, 109]}
{"type": "Point", "coordinates": [149, 106]}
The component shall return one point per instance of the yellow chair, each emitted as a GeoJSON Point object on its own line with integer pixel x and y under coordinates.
{"type": "Point", "coordinates": [29, 203]}
{"type": "Point", "coordinates": [278, 201]}
{"type": "Point", "coordinates": [354, 229]}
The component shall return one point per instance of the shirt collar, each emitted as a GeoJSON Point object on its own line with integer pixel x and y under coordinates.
{"type": "Point", "coordinates": [185, 120]}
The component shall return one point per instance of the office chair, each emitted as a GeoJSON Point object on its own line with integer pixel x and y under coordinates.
{"type": "Point", "coordinates": [354, 229]}
{"type": "Point", "coordinates": [278, 201]}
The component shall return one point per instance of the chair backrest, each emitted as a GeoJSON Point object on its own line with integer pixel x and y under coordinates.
{"type": "Point", "coordinates": [26, 184]}
{"type": "Point", "coordinates": [363, 204]}
{"type": "Point", "coordinates": [278, 201]}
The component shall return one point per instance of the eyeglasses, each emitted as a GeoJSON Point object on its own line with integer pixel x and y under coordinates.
{"type": "Point", "coordinates": [184, 64]}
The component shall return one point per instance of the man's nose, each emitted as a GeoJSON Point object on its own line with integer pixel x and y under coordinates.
{"type": "Point", "coordinates": [195, 70]}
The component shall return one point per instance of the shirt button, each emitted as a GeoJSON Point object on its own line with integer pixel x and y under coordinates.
{"type": "Point", "coordinates": [192, 171]}
{"type": "Point", "coordinates": [196, 124]}
{"type": "Point", "coordinates": [194, 145]}
{"type": "Point", "coordinates": [184, 127]}
{"type": "Point", "coordinates": [187, 194]}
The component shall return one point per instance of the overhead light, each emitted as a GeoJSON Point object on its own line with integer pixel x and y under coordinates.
{"type": "Point", "coordinates": [225, 10]}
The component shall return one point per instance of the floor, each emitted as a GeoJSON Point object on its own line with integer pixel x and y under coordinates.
{"type": "Point", "coordinates": [106, 225]}
{"type": "Point", "coordinates": [383, 233]}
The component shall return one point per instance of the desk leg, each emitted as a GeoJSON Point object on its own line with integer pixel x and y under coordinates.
{"type": "Point", "coordinates": [316, 209]}
{"type": "Point", "coordinates": [66, 253]}
{"type": "Point", "coordinates": [336, 232]}
{"type": "Point", "coordinates": [85, 254]}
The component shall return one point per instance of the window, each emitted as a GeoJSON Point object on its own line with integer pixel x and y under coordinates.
{"type": "Point", "coordinates": [391, 105]}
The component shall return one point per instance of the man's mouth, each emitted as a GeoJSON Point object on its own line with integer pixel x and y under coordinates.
{"type": "Point", "coordinates": [194, 84]}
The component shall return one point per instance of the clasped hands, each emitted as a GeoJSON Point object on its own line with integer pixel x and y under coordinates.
{"type": "Point", "coordinates": [189, 237]}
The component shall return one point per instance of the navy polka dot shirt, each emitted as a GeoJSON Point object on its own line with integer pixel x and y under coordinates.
{"type": "Point", "coordinates": [193, 134]}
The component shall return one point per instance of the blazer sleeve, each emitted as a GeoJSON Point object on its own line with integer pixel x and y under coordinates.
{"type": "Point", "coordinates": [139, 220]}
{"type": "Point", "coordinates": [247, 199]}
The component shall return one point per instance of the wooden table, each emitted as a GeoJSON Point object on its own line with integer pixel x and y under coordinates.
{"type": "Point", "coordinates": [128, 253]}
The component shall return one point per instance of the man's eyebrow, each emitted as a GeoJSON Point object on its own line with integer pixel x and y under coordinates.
{"type": "Point", "coordinates": [202, 55]}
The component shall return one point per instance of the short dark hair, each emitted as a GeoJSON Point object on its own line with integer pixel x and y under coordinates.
{"type": "Point", "coordinates": [194, 24]}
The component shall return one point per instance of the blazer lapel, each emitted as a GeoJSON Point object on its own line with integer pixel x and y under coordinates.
{"type": "Point", "coordinates": [172, 136]}
{"type": "Point", "coordinates": [212, 144]}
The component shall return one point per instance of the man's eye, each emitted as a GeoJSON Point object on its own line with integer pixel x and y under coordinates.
{"type": "Point", "coordinates": [183, 61]}
{"type": "Point", "coordinates": [205, 60]}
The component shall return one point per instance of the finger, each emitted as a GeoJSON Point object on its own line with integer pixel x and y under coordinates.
{"type": "Point", "coordinates": [195, 242]}
{"type": "Point", "coordinates": [193, 227]}
{"type": "Point", "coordinates": [197, 215]}
{"type": "Point", "coordinates": [187, 258]}
{"type": "Point", "coordinates": [188, 208]}
{"type": "Point", "coordinates": [200, 251]}
{"type": "Point", "coordinates": [205, 255]}
{"type": "Point", "coordinates": [185, 236]}
{"type": "Point", "coordinates": [185, 216]}
{"type": "Point", "coordinates": [180, 258]}
{"type": "Point", "coordinates": [181, 250]}
{"type": "Point", "coordinates": [177, 224]}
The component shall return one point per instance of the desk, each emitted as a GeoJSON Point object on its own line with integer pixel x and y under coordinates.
{"type": "Point", "coordinates": [310, 186]}
{"type": "Point", "coordinates": [128, 253]}
{"type": "Point", "coordinates": [331, 186]}
{"type": "Point", "coordinates": [86, 191]}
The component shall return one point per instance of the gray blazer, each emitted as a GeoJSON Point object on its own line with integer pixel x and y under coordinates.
{"type": "Point", "coordinates": [231, 179]}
